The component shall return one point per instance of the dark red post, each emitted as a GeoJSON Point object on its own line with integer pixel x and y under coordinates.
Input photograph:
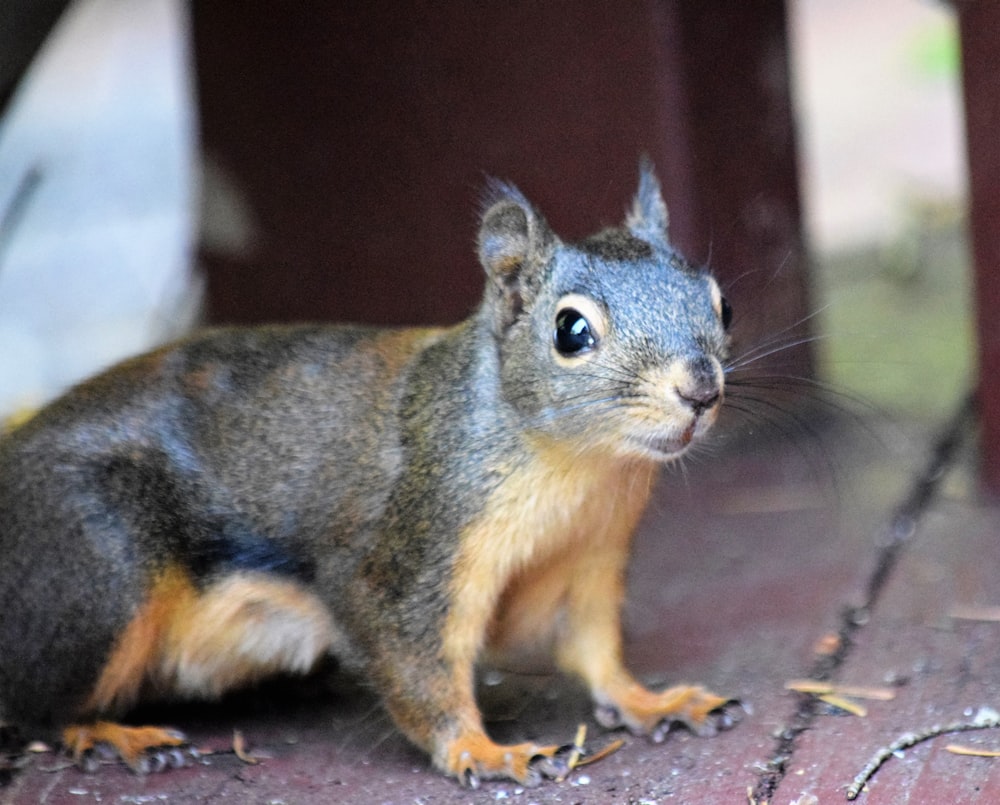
{"type": "Point", "coordinates": [361, 134]}
{"type": "Point", "coordinates": [979, 22]}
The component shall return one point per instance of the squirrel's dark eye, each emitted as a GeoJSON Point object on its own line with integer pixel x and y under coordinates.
{"type": "Point", "coordinates": [726, 312]}
{"type": "Point", "coordinates": [573, 333]}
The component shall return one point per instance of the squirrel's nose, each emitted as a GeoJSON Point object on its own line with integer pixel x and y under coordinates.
{"type": "Point", "coordinates": [702, 388]}
{"type": "Point", "coordinates": [701, 399]}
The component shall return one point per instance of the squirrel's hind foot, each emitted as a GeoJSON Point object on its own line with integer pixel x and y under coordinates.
{"type": "Point", "coordinates": [143, 749]}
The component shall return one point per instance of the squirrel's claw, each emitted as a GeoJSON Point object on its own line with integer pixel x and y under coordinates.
{"type": "Point", "coordinates": [143, 749]}
{"type": "Point", "coordinates": [552, 767]}
{"type": "Point", "coordinates": [727, 715]}
{"type": "Point", "coordinates": [476, 758]}
{"type": "Point", "coordinates": [156, 760]}
{"type": "Point", "coordinates": [723, 717]}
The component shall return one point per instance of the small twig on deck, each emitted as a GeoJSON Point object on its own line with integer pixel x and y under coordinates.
{"type": "Point", "coordinates": [986, 718]}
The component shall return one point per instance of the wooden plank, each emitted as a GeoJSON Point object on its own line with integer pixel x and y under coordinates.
{"type": "Point", "coordinates": [943, 668]}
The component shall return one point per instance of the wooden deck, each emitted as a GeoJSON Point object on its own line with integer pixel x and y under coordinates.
{"type": "Point", "coordinates": [863, 556]}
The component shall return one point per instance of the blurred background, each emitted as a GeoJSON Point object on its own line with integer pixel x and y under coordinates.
{"type": "Point", "coordinates": [165, 164]}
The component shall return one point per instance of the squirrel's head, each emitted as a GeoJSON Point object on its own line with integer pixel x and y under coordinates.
{"type": "Point", "coordinates": [615, 342]}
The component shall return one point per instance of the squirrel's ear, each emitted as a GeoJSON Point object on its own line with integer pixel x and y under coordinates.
{"type": "Point", "coordinates": [514, 242]}
{"type": "Point", "coordinates": [648, 217]}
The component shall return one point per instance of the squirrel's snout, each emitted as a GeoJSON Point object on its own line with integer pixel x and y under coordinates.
{"type": "Point", "coordinates": [700, 399]}
{"type": "Point", "coordinates": [701, 388]}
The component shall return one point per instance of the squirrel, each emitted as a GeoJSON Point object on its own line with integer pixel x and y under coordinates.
{"type": "Point", "coordinates": [250, 500]}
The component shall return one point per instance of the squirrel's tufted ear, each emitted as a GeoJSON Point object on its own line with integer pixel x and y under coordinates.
{"type": "Point", "coordinates": [648, 217]}
{"type": "Point", "coordinates": [515, 242]}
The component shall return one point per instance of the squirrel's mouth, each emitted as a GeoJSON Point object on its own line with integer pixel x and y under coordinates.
{"type": "Point", "coordinates": [661, 447]}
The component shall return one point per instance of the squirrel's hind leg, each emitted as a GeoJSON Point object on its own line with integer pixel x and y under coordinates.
{"type": "Point", "coordinates": [190, 641]}
{"type": "Point", "coordinates": [199, 642]}
{"type": "Point", "coordinates": [241, 629]}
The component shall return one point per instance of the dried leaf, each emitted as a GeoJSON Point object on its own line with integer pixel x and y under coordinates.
{"type": "Point", "coordinates": [575, 751]}
{"type": "Point", "coordinates": [827, 688]}
{"type": "Point", "coordinates": [975, 613]}
{"type": "Point", "coordinates": [240, 749]}
{"type": "Point", "coordinates": [600, 754]}
{"type": "Point", "coordinates": [971, 751]}
{"type": "Point", "coordinates": [828, 644]}
{"type": "Point", "coordinates": [846, 705]}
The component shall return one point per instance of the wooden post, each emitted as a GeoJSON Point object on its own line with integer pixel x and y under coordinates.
{"type": "Point", "coordinates": [979, 22]}
{"type": "Point", "coordinates": [361, 135]}
{"type": "Point", "coordinates": [729, 118]}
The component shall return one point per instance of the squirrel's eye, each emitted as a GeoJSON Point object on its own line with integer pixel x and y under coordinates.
{"type": "Point", "coordinates": [573, 333]}
{"type": "Point", "coordinates": [726, 312]}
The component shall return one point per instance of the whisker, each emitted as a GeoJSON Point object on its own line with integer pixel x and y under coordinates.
{"type": "Point", "coordinates": [680, 467]}
{"type": "Point", "coordinates": [779, 334]}
{"type": "Point", "coordinates": [612, 371]}
{"type": "Point", "coordinates": [609, 403]}
{"type": "Point", "coordinates": [833, 398]}
{"type": "Point", "coordinates": [804, 424]}
{"type": "Point", "coordinates": [821, 463]}
{"type": "Point", "coordinates": [769, 348]}
{"type": "Point", "coordinates": [796, 384]}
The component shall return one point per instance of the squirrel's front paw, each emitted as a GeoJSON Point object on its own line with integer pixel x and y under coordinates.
{"type": "Point", "coordinates": [474, 757]}
{"type": "Point", "coordinates": [646, 713]}
{"type": "Point", "coordinates": [144, 749]}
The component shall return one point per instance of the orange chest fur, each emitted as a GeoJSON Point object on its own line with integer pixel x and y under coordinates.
{"type": "Point", "coordinates": [517, 561]}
